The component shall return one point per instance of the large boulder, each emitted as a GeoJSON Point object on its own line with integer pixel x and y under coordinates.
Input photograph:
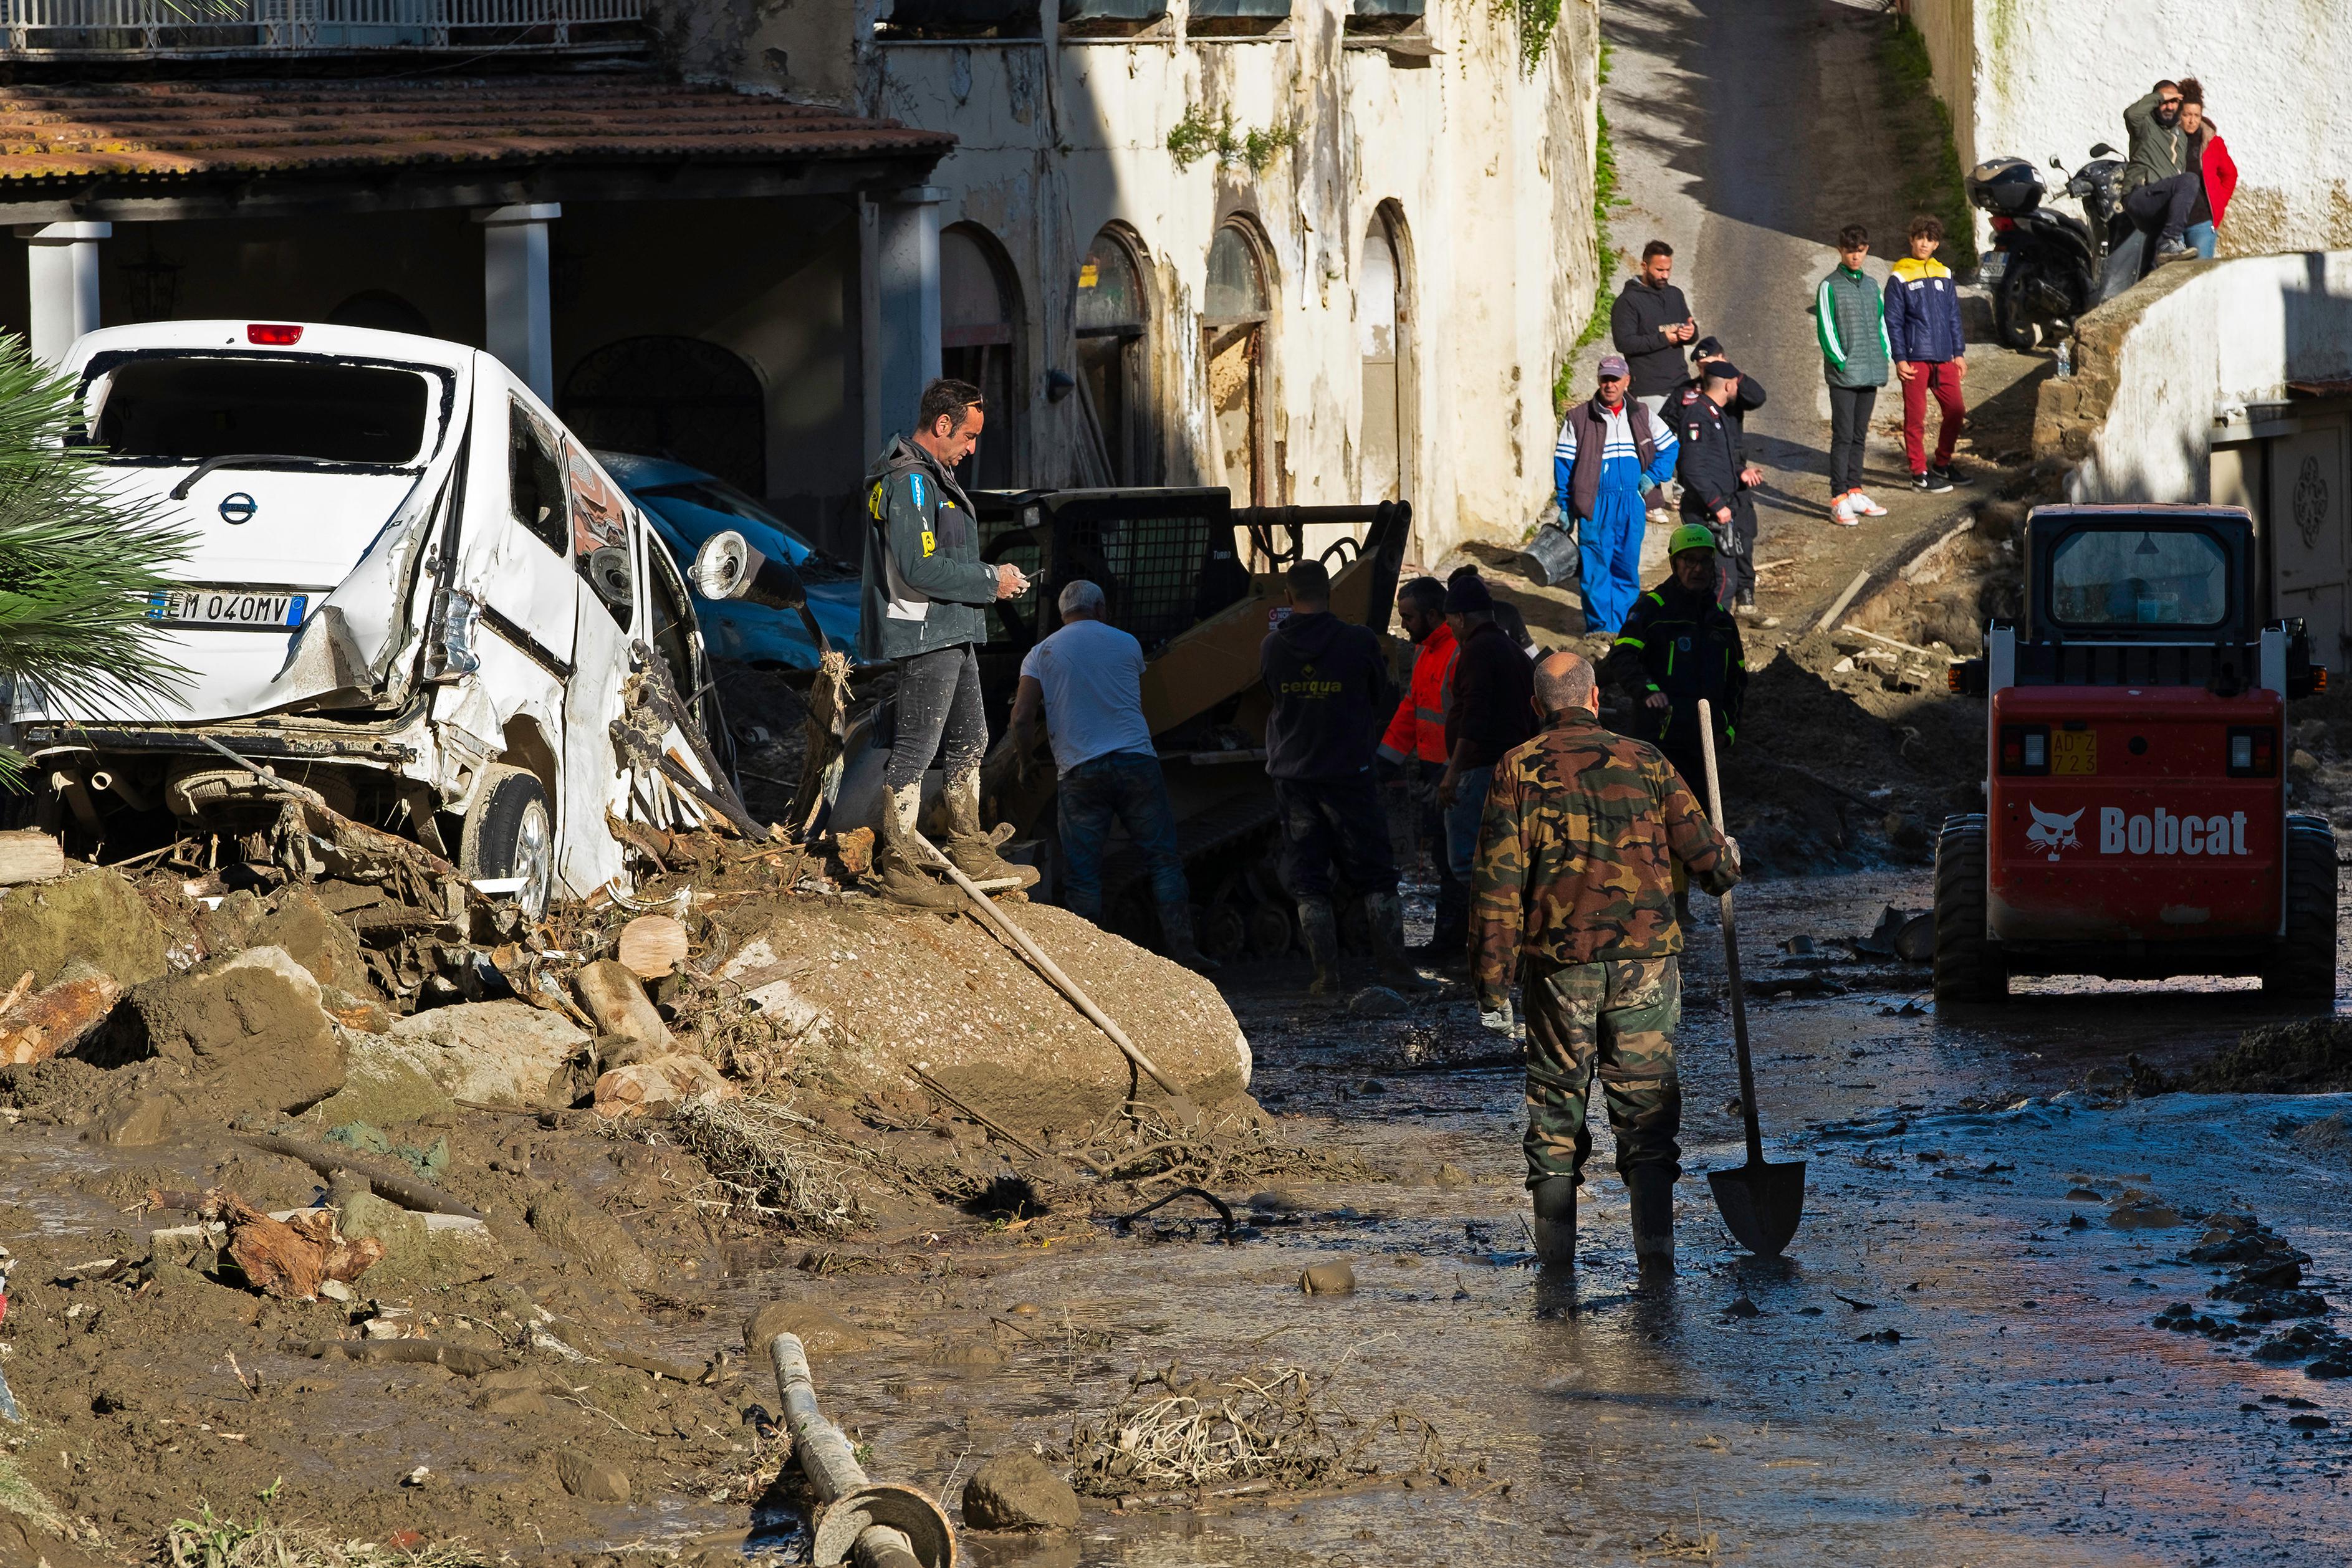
{"type": "Point", "coordinates": [249, 1031]}
{"type": "Point", "coordinates": [587, 1235]}
{"type": "Point", "coordinates": [421, 1251]}
{"type": "Point", "coordinates": [509, 1054]}
{"type": "Point", "coordinates": [854, 994]}
{"type": "Point", "coordinates": [94, 915]}
{"type": "Point", "coordinates": [657, 1088]}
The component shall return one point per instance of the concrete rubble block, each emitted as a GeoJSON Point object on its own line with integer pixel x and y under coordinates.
{"type": "Point", "coordinates": [592, 1479]}
{"type": "Point", "coordinates": [187, 1246]}
{"type": "Point", "coordinates": [421, 1251]}
{"type": "Point", "coordinates": [822, 1330]}
{"type": "Point", "coordinates": [93, 914]}
{"type": "Point", "coordinates": [250, 1030]}
{"type": "Point", "coordinates": [857, 995]}
{"type": "Point", "coordinates": [616, 999]}
{"type": "Point", "coordinates": [387, 1081]}
{"type": "Point", "coordinates": [509, 1054]}
{"type": "Point", "coordinates": [1019, 1491]}
{"type": "Point", "coordinates": [658, 1087]}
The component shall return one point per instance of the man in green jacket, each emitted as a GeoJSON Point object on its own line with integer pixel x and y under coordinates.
{"type": "Point", "coordinates": [925, 600]}
{"type": "Point", "coordinates": [2160, 185]}
{"type": "Point", "coordinates": [1849, 316]}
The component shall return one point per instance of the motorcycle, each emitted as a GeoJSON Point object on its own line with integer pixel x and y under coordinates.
{"type": "Point", "coordinates": [2047, 267]}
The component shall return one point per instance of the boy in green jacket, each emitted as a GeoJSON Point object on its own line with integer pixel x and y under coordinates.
{"type": "Point", "coordinates": [1849, 316]}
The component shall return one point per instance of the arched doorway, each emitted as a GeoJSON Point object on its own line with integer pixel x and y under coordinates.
{"type": "Point", "coordinates": [680, 398]}
{"type": "Point", "coordinates": [1381, 316]}
{"type": "Point", "coordinates": [1234, 310]}
{"type": "Point", "coordinates": [1114, 320]}
{"type": "Point", "coordinates": [980, 340]}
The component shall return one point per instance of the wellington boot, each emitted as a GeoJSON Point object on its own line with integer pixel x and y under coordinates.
{"type": "Point", "coordinates": [1320, 929]}
{"type": "Point", "coordinates": [1555, 1225]}
{"type": "Point", "coordinates": [972, 847]}
{"type": "Point", "coordinates": [1385, 913]}
{"type": "Point", "coordinates": [898, 866]}
{"type": "Point", "coordinates": [1448, 946]}
{"type": "Point", "coordinates": [1176, 933]}
{"type": "Point", "coordinates": [1652, 1189]}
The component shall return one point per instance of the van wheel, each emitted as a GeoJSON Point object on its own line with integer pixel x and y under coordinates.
{"type": "Point", "coordinates": [2303, 968]}
{"type": "Point", "coordinates": [511, 833]}
{"type": "Point", "coordinates": [1969, 969]}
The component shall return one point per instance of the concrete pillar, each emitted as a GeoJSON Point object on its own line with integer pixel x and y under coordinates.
{"type": "Point", "coordinates": [515, 302]}
{"type": "Point", "coordinates": [62, 262]}
{"type": "Point", "coordinates": [899, 250]}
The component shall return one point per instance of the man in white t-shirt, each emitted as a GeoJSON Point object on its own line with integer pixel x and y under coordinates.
{"type": "Point", "coordinates": [1083, 687]}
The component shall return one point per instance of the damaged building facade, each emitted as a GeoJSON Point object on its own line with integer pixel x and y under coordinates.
{"type": "Point", "coordinates": [1316, 250]}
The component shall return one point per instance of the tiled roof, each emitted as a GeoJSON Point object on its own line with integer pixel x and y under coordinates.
{"type": "Point", "coordinates": [159, 130]}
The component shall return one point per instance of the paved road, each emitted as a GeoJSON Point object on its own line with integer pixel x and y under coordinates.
{"type": "Point", "coordinates": [1747, 133]}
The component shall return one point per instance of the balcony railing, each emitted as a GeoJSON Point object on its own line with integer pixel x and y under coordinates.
{"type": "Point", "coordinates": [116, 29]}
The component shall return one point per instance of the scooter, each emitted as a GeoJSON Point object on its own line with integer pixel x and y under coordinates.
{"type": "Point", "coordinates": [2047, 267]}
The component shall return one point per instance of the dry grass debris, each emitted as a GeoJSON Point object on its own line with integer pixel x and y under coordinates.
{"type": "Point", "coordinates": [1275, 1424]}
{"type": "Point", "coordinates": [766, 1161]}
{"type": "Point", "coordinates": [1142, 1145]}
{"type": "Point", "coordinates": [213, 1540]}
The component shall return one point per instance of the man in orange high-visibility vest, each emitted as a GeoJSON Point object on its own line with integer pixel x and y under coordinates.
{"type": "Point", "coordinates": [1415, 744]}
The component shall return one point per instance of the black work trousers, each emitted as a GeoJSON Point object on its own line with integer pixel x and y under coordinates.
{"type": "Point", "coordinates": [939, 711]}
{"type": "Point", "coordinates": [2162, 206]}
{"type": "Point", "coordinates": [1849, 429]}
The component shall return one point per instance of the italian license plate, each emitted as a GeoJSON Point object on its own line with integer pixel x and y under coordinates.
{"type": "Point", "coordinates": [2074, 751]}
{"type": "Point", "coordinates": [258, 609]}
{"type": "Point", "coordinates": [1990, 267]}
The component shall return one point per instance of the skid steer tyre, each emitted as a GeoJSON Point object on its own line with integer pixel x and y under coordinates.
{"type": "Point", "coordinates": [510, 832]}
{"type": "Point", "coordinates": [2303, 968]}
{"type": "Point", "coordinates": [1969, 970]}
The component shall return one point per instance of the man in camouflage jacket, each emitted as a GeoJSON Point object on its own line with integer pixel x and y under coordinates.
{"type": "Point", "coordinates": [1573, 894]}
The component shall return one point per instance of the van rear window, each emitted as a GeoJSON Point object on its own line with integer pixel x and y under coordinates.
{"type": "Point", "coordinates": [186, 408]}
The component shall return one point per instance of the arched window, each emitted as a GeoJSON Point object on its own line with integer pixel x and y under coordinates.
{"type": "Point", "coordinates": [680, 398]}
{"type": "Point", "coordinates": [1380, 331]}
{"type": "Point", "coordinates": [1235, 308]}
{"type": "Point", "coordinates": [1114, 321]}
{"type": "Point", "coordinates": [980, 339]}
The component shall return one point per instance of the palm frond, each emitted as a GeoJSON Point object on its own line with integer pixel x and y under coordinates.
{"type": "Point", "coordinates": [77, 560]}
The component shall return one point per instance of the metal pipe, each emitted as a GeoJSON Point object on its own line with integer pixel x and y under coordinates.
{"type": "Point", "coordinates": [874, 1525]}
{"type": "Point", "coordinates": [130, 794]}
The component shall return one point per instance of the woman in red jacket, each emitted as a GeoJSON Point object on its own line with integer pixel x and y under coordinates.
{"type": "Point", "coordinates": [2213, 164]}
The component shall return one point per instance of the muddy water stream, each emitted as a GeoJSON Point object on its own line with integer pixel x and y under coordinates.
{"type": "Point", "coordinates": [1957, 1364]}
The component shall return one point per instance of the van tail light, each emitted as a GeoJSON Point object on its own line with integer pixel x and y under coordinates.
{"type": "Point", "coordinates": [273, 334]}
{"type": "Point", "coordinates": [2253, 753]}
{"type": "Point", "coordinates": [2025, 748]}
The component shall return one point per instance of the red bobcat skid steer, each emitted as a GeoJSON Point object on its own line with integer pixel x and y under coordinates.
{"type": "Point", "coordinates": [2135, 823]}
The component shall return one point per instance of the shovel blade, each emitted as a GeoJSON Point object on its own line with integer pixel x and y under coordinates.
{"type": "Point", "coordinates": [1761, 1204]}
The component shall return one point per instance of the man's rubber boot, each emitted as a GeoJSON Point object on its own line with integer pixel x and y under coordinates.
{"type": "Point", "coordinates": [973, 847]}
{"type": "Point", "coordinates": [898, 865]}
{"type": "Point", "coordinates": [1652, 1188]}
{"type": "Point", "coordinates": [1555, 1226]}
{"type": "Point", "coordinates": [1448, 946]}
{"type": "Point", "coordinates": [1176, 931]}
{"type": "Point", "coordinates": [1319, 928]}
{"type": "Point", "coordinates": [1385, 912]}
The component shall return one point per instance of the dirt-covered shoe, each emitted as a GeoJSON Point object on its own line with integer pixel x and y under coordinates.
{"type": "Point", "coordinates": [897, 879]}
{"type": "Point", "coordinates": [977, 859]}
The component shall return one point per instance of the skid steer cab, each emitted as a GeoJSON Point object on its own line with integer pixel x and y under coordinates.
{"type": "Point", "coordinates": [2135, 823]}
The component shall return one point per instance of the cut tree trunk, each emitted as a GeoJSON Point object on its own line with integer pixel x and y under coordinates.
{"type": "Point", "coordinates": [56, 1018]}
{"type": "Point", "coordinates": [30, 855]}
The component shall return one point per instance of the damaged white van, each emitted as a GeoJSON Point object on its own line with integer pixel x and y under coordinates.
{"type": "Point", "coordinates": [412, 591]}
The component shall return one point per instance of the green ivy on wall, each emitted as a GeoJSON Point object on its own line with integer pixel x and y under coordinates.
{"type": "Point", "coordinates": [1536, 21]}
{"type": "Point", "coordinates": [1201, 134]}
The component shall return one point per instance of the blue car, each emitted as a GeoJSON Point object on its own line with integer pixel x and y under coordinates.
{"type": "Point", "coordinates": [686, 507]}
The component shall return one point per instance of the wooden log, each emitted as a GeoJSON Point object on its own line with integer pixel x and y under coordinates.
{"type": "Point", "coordinates": [30, 855]}
{"type": "Point", "coordinates": [652, 946]}
{"type": "Point", "coordinates": [56, 1018]}
{"type": "Point", "coordinates": [287, 1259]}
{"type": "Point", "coordinates": [395, 1183]}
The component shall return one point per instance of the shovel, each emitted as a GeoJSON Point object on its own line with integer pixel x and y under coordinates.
{"type": "Point", "coordinates": [1761, 1203]}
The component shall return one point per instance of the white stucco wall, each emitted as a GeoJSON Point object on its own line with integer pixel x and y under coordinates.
{"type": "Point", "coordinates": [2048, 78]}
{"type": "Point", "coordinates": [2235, 332]}
{"type": "Point", "coordinates": [1488, 167]}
